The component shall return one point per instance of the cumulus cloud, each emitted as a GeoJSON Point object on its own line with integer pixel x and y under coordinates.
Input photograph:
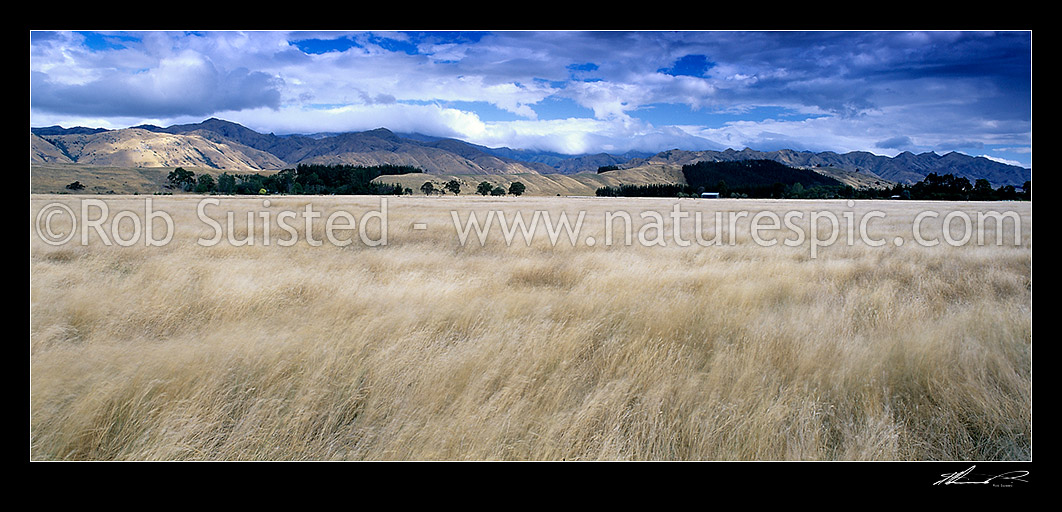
{"type": "Point", "coordinates": [398, 117]}
{"type": "Point", "coordinates": [578, 136]}
{"type": "Point", "coordinates": [186, 83]}
{"type": "Point", "coordinates": [882, 91]}
{"type": "Point", "coordinates": [568, 136]}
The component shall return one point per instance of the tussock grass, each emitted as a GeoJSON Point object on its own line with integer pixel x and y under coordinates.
{"type": "Point", "coordinates": [424, 349]}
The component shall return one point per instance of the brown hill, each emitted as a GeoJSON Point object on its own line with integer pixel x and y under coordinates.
{"type": "Point", "coordinates": [553, 184]}
{"type": "Point", "coordinates": [136, 147]}
{"type": "Point", "coordinates": [223, 145]}
{"type": "Point", "coordinates": [381, 146]}
{"type": "Point", "coordinates": [44, 152]}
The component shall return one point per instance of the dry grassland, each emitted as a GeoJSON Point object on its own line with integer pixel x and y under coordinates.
{"type": "Point", "coordinates": [426, 349]}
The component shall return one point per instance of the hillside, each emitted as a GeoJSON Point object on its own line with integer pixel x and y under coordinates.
{"type": "Point", "coordinates": [854, 179]}
{"type": "Point", "coordinates": [751, 174]}
{"type": "Point", "coordinates": [903, 168]}
{"type": "Point", "coordinates": [42, 151]}
{"type": "Point", "coordinates": [222, 145]}
{"type": "Point", "coordinates": [373, 147]}
{"type": "Point", "coordinates": [579, 184]}
{"type": "Point", "coordinates": [136, 147]}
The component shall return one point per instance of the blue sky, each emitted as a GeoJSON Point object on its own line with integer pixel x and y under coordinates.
{"type": "Point", "coordinates": [564, 91]}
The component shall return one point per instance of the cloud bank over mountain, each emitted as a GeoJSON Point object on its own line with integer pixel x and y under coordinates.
{"type": "Point", "coordinates": [563, 91]}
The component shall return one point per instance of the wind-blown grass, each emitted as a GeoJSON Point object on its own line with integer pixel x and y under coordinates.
{"type": "Point", "coordinates": [424, 349]}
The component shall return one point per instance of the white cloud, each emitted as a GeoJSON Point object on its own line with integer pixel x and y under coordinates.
{"type": "Point", "coordinates": [397, 117]}
{"type": "Point", "coordinates": [570, 136]}
{"type": "Point", "coordinates": [831, 133]}
{"type": "Point", "coordinates": [865, 88]}
{"type": "Point", "coordinates": [577, 136]}
{"type": "Point", "coordinates": [1003, 160]}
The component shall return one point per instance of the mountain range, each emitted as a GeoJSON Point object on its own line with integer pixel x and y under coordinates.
{"type": "Point", "coordinates": [224, 145]}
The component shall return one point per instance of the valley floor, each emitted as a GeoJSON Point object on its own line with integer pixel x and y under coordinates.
{"type": "Point", "coordinates": [369, 328]}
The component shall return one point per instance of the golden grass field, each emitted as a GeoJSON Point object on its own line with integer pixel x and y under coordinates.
{"type": "Point", "coordinates": [422, 348]}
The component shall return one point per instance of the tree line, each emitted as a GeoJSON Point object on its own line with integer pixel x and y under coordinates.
{"type": "Point", "coordinates": [321, 180]}
{"type": "Point", "coordinates": [303, 179]}
{"type": "Point", "coordinates": [484, 188]}
{"type": "Point", "coordinates": [952, 187]}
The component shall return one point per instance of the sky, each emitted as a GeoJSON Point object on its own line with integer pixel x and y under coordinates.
{"type": "Point", "coordinates": [571, 92]}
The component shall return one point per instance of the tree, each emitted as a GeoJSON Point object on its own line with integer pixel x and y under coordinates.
{"type": "Point", "coordinates": [1006, 193]}
{"type": "Point", "coordinates": [517, 188]}
{"type": "Point", "coordinates": [313, 184]}
{"type": "Point", "coordinates": [182, 178]}
{"type": "Point", "coordinates": [427, 188]}
{"type": "Point", "coordinates": [205, 184]}
{"type": "Point", "coordinates": [283, 181]}
{"type": "Point", "coordinates": [76, 186]}
{"type": "Point", "coordinates": [226, 183]}
{"type": "Point", "coordinates": [484, 188]}
{"type": "Point", "coordinates": [497, 191]}
{"type": "Point", "coordinates": [982, 190]}
{"type": "Point", "coordinates": [453, 186]}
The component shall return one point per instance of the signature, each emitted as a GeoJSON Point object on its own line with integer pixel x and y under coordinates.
{"type": "Point", "coordinates": [958, 477]}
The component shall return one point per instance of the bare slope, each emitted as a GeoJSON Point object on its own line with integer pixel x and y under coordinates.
{"type": "Point", "coordinates": [135, 147]}
{"type": "Point", "coordinates": [381, 146]}
{"type": "Point", "coordinates": [580, 184]}
{"type": "Point", "coordinates": [42, 151]}
{"type": "Point", "coordinates": [222, 145]}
